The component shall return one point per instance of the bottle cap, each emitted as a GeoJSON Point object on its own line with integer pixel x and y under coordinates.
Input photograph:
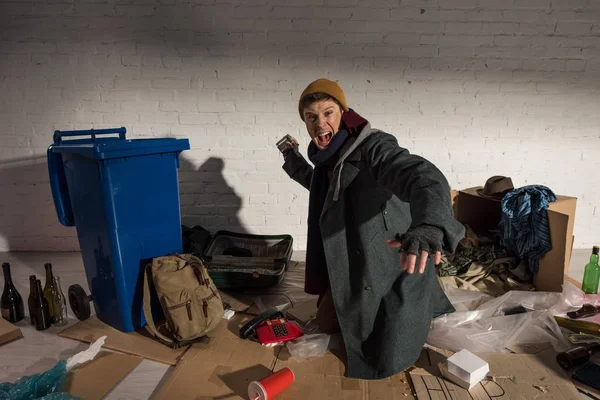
{"type": "Point", "coordinates": [48, 265]}
{"type": "Point", "coordinates": [595, 250]}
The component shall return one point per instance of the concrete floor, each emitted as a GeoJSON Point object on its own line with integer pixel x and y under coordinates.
{"type": "Point", "coordinates": [38, 351]}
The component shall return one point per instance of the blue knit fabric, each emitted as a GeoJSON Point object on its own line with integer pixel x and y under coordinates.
{"type": "Point", "coordinates": [524, 223]}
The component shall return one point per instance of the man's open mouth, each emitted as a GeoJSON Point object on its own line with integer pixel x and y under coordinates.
{"type": "Point", "coordinates": [324, 138]}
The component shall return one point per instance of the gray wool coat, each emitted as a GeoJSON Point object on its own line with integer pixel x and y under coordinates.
{"type": "Point", "coordinates": [379, 189]}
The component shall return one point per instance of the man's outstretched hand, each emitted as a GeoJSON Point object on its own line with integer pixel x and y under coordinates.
{"type": "Point", "coordinates": [289, 147]}
{"type": "Point", "coordinates": [423, 240]}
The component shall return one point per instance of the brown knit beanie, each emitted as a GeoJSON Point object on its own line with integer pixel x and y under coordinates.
{"type": "Point", "coordinates": [324, 86]}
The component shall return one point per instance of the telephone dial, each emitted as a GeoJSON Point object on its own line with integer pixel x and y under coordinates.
{"type": "Point", "coordinates": [271, 327]}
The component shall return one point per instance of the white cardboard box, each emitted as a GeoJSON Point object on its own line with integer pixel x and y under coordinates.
{"type": "Point", "coordinates": [467, 367]}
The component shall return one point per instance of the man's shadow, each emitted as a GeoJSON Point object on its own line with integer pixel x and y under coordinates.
{"type": "Point", "coordinates": [206, 197]}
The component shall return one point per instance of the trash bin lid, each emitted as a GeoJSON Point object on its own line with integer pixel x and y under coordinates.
{"type": "Point", "coordinates": [116, 147]}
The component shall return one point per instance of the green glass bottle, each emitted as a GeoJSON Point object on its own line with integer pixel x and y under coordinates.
{"type": "Point", "coordinates": [49, 290]}
{"type": "Point", "coordinates": [11, 302]}
{"type": "Point", "coordinates": [591, 275]}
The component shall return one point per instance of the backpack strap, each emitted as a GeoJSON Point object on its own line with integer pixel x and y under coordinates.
{"type": "Point", "coordinates": [150, 326]}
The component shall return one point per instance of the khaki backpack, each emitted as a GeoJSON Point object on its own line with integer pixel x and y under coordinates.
{"type": "Point", "coordinates": [188, 297]}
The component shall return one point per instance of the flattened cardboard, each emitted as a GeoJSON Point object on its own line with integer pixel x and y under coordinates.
{"type": "Point", "coordinates": [93, 380]}
{"type": "Point", "coordinates": [222, 369]}
{"type": "Point", "coordinates": [323, 378]}
{"type": "Point", "coordinates": [511, 377]}
{"type": "Point", "coordinates": [8, 332]}
{"type": "Point", "coordinates": [131, 343]}
{"type": "Point", "coordinates": [304, 311]}
{"type": "Point", "coordinates": [550, 356]}
{"type": "Point", "coordinates": [483, 214]}
{"type": "Point", "coordinates": [237, 303]}
{"type": "Point", "coordinates": [546, 352]}
{"type": "Point", "coordinates": [529, 348]}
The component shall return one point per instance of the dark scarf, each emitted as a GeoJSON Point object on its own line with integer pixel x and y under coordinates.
{"type": "Point", "coordinates": [317, 277]}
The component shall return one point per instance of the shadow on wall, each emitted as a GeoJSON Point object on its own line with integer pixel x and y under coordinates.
{"type": "Point", "coordinates": [28, 218]}
{"type": "Point", "coordinates": [206, 197]}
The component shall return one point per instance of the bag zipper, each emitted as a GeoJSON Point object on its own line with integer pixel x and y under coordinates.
{"type": "Point", "coordinates": [203, 279]}
{"type": "Point", "coordinates": [205, 303]}
{"type": "Point", "coordinates": [207, 282]}
{"type": "Point", "coordinates": [205, 275]}
{"type": "Point", "coordinates": [187, 305]}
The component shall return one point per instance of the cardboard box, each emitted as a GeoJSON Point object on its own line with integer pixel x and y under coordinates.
{"type": "Point", "coordinates": [483, 214]}
{"type": "Point", "coordinates": [8, 332]}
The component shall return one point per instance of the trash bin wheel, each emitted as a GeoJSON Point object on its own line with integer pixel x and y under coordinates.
{"type": "Point", "coordinates": [80, 302]}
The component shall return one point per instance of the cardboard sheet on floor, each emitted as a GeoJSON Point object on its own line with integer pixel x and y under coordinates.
{"type": "Point", "coordinates": [545, 351]}
{"type": "Point", "coordinates": [323, 378]}
{"type": "Point", "coordinates": [222, 369]}
{"type": "Point", "coordinates": [530, 348]}
{"type": "Point", "coordinates": [303, 312]}
{"type": "Point", "coordinates": [131, 343]}
{"type": "Point", "coordinates": [514, 376]}
{"type": "Point", "coordinates": [93, 380]}
{"type": "Point", "coordinates": [8, 332]}
{"type": "Point", "coordinates": [236, 302]}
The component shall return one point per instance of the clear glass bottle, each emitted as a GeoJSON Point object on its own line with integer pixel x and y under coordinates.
{"type": "Point", "coordinates": [61, 317]}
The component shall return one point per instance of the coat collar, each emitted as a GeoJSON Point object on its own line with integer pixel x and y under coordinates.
{"type": "Point", "coordinates": [346, 168]}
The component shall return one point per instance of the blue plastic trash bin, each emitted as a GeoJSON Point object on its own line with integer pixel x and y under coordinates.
{"type": "Point", "coordinates": [122, 195]}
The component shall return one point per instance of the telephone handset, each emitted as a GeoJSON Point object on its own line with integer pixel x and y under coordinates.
{"type": "Point", "coordinates": [249, 328]}
{"type": "Point", "coordinates": [271, 327]}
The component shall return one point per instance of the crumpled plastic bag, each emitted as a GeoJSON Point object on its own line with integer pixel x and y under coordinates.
{"type": "Point", "coordinates": [572, 299]}
{"type": "Point", "coordinates": [309, 346]}
{"type": "Point", "coordinates": [47, 385]}
{"type": "Point", "coordinates": [40, 386]}
{"type": "Point", "coordinates": [480, 323]}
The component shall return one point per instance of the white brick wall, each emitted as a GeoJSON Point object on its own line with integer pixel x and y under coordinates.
{"type": "Point", "coordinates": [480, 87]}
